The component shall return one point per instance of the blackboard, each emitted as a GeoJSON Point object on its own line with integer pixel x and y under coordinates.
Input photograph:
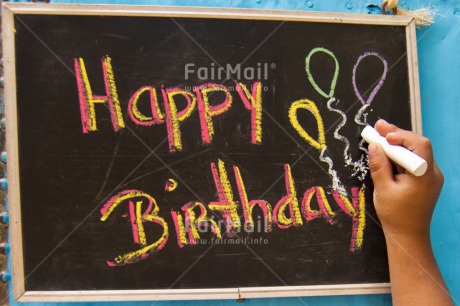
{"type": "Point", "coordinates": [166, 153]}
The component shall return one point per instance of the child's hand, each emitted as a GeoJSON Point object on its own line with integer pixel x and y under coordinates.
{"type": "Point", "coordinates": [404, 203]}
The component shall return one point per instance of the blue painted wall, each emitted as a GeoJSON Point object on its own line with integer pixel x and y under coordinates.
{"type": "Point", "coordinates": [439, 59]}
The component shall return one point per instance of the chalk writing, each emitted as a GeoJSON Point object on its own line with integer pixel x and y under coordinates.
{"type": "Point", "coordinates": [234, 208]}
{"type": "Point", "coordinates": [310, 76]}
{"type": "Point", "coordinates": [172, 116]}
{"type": "Point", "coordinates": [188, 224]}
{"type": "Point", "coordinates": [336, 183]}
{"type": "Point", "coordinates": [171, 185]}
{"type": "Point", "coordinates": [137, 219]}
{"type": "Point", "coordinates": [248, 206]}
{"type": "Point", "coordinates": [288, 201]}
{"type": "Point", "coordinates": [253, 102]}
{"type": "Point", "coordinates": [379, 83]}
{"type": "Point", "coordinates": [306, 104]}
{"type": "Point", "coordinates": [87, 99]}
{"type": "Point", "coordinates": [206, 111]}
{"type": "Point", "coordinates": [139, 118]}
{"type": "Point", "coordinates": [346, 155]}
{"type": "Point", "coordinates": [360, 166]}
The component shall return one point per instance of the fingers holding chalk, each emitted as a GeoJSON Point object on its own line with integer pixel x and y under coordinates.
{"type": "Point", "coordinates": [416, 143]}
{"type": "Point", "coordinates": [399, 154]}
{"type": "Point", "coordinates": [385, 128]}
{"type": "Point", "coordinates": [380, 166]}
{"type": "Point", "coordinates": [411, 141]}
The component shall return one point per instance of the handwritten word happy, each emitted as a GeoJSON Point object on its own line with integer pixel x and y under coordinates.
{"type": "Point", "coordinates": [172, 117]}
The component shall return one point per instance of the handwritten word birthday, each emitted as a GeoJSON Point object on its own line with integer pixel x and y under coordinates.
{"type": "Point", "coordinates": [291, 210]}
{"type": "Point", "coordinates": [172, 117]}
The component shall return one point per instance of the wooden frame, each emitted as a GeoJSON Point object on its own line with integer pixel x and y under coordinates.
{"type": "Point", "coordinates": [11, 9]}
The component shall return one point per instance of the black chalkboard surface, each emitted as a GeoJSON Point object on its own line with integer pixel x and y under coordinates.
{"type": "Point", "coordinates": [194, 153]}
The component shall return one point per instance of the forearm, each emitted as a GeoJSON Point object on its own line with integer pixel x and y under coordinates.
{"type": "Point", "coordinates": [414, 275]}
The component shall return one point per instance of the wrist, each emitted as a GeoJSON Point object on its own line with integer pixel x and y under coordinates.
{"type": "Point", "coordinates": [410, 231]}
{"type": "Point", "coordinates": [409, 241]}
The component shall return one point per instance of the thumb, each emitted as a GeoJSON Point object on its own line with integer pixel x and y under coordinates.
{"type": "Point", "coordinates": [380, 165]}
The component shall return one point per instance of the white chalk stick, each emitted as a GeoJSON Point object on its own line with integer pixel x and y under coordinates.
{"type": "Point", "coordinates": [400, 155]}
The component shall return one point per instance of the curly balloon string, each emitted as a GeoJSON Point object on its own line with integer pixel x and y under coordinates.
{"type": "Point", "coordinates": [360, 167]}
{"type": "Point", "coordinates": [336, 183]}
